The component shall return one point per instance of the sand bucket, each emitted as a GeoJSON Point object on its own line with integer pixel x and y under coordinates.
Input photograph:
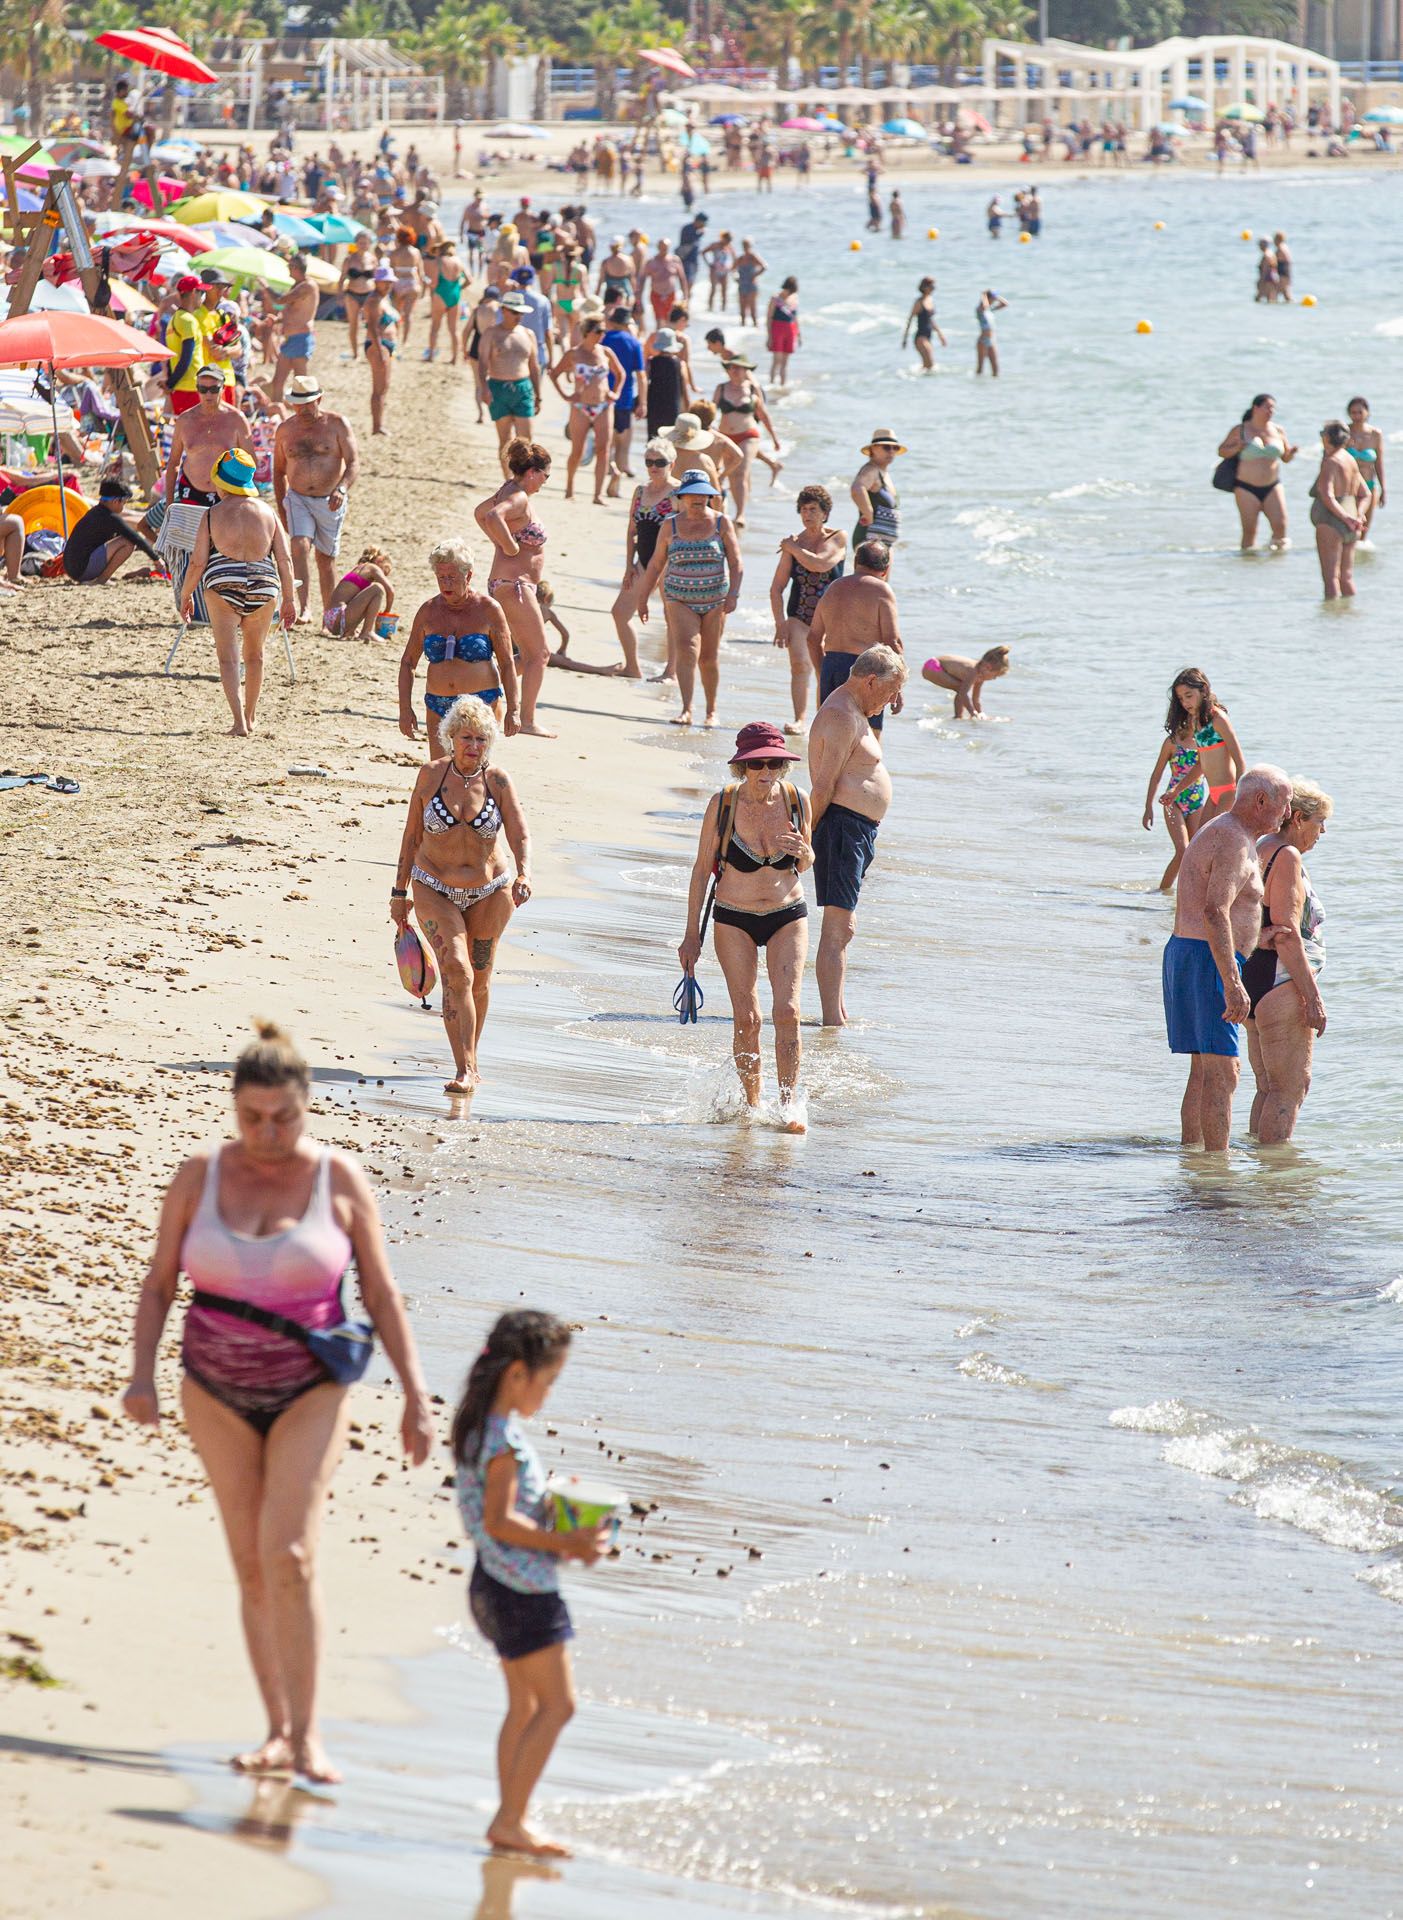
{"type": "Point", "coordinates": [387, 625]}
{"type": "Point", "coordinates": [577, 1503]}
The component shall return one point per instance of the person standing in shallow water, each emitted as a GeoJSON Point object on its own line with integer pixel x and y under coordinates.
{"type": "Point", "coordinates": [270, 1223]}
{"type": "Point", "coordinates": [1260, 448]}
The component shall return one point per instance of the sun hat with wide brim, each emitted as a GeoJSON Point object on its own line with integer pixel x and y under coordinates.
{"type": "Point", "coordinates": [762, 740]}
{"type": "Point", "coordinates": [688, 434]}
{"type": "Point", "coordinates": [740, 360]}
{"type": "Point", "coordinates": [233, 474]}
{"type": "Point", "coordinates": [514, 302]}
{"type": "Point", "coordinates": [694, 480]}
{"type": "Point", "coordinates": [884, 437]}
{"type": "Point", "coordinates": [302, 389]}
{"type": "Point", "coordinates": [665, 340]}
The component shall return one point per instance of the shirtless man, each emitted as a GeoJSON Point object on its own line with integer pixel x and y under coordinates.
{"type": "Point", "coordinates": [315, 463]}
{"type": "Point", "coordinates": [299, 311]}
{"type": "Point", "coordinates": [198, 439]}
{"type": "Point", "coordinates": [1217, 920]}
{"type": "Point", "coordinates": [850, 793]}
{"type": "Point", "coordinates": [511, 367]}
{"type": "Point", "coordinates": [667, 282]}
{"type": "Point", "coordinates": [854, 614]}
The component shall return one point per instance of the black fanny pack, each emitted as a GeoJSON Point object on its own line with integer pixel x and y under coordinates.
{"type": "Point", "coordinates": [344, 1352]}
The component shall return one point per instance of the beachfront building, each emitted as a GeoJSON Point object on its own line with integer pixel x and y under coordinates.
{"type": "Point", "coordinates": [1061, 80]}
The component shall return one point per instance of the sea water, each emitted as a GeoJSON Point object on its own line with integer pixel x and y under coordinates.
{"type": "Point", "coordinates": [1020, 1488]}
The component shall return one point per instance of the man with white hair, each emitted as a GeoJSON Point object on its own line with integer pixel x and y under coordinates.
{"type": "Point", "coordinates": [851, 791]}
{"type": "Point", "coordinates": [1217, 920]}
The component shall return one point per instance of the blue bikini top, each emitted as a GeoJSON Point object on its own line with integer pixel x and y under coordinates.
{"type": "Point", "coordinates": [439, 647]}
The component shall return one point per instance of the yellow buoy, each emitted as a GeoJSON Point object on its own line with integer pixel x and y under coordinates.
{"type": "Point", "coordinates": [932, 233]}
{"type": "Point", "coordinates": [1159, 226]}
{"type": "Point", "coordinates": [854, 246]}
{"type": "Point", "coordinates": [1024, 238]}
{"type": "Point", "coordinates": [1143, 326]}
{"type": "Point", "coordinates": [1307, 299]}
{"type": "Point", "coordinates": [1247, 233]}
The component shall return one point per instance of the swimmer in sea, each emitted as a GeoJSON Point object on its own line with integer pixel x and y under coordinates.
{"type": "Point", "coordinates": [995, 214]}
{"type": "Point", "coordinates": [966, 678]}
{"type": "Point", "coordinates": [1259, 447]}
{"type": "Point", "coordinates": [1366, 447]}
{"type": "Point", "coordinates": [986, 352]}
{"type": "Point", "coordinates": [922, 316]}
{"type": "Point", "coordinates": [1185, 797]}
{"type": "Point", "coordinates": [1221, 760]}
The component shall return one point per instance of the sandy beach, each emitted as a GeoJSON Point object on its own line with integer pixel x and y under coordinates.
{"type": "Point", "coordinates": [192, 883]}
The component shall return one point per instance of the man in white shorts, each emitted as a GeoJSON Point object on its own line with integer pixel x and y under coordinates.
{"type": "Point", "coordinates": [315, 462]}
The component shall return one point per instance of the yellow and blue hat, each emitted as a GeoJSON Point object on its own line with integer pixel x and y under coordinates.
{"type": "Point", "coordinates": [234, 473]}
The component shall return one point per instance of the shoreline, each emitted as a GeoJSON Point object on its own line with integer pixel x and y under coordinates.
{"type": "Point", "coordinates": [160, 900]}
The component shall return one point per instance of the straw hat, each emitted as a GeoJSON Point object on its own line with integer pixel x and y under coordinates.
{"type": "Point", "coordinates": [884, 437]}
{"type": "Point", "coordinates": [741, 360]}
{"type": "Point", "coordinates": [234, 474]}
{"type": "Point", "coordinates": [514, 302]}
{"type": "Point", "coordinates": [590, 308]}
{"type": "Point", "coordinates": [688, 434]}
{"type": "Point", "coordinates": [303, 388]}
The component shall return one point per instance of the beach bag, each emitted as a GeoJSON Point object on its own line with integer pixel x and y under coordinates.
{"type": "Point", "coordinates": [416, 969]}
{"type": "Point", "coordinates": [1225, 474]}
{"type": "Point", "coordinates": [343, 1352]}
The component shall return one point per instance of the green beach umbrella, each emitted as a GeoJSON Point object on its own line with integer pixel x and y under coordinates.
{"type": "Point", "coordinates": [245, 263]}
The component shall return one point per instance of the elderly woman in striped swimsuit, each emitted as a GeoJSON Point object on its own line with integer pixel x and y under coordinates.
{"type": "Point", "coordinates": [697, 559]}
{"type": "Point", "coordinates": [242, 560]}
{"type": "Point", "coordinates": [453, 866]}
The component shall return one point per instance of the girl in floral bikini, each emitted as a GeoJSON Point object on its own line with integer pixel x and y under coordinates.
{"type": "Point", "coordinates": [1194, 726]}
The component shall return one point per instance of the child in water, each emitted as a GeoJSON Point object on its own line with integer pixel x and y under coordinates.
{"type": "Point", "coordinates": [514, 1593]}
{"type": "Point", "coordinates": [966, 678]}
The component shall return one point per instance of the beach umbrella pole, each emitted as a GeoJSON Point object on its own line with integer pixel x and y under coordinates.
{"type": "Point", "coordinates": [58, 449]}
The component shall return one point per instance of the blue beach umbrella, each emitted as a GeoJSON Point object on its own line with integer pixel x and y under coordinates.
{"type": "Point", "coordinates": [1189, 103]}
{"type": "Point", "coordinates": [696, 144]}
{"type": "Point", "coordinates": [293, 227]}
{"type": "Point", "coordinates": [1385, 116]}
{"type": "Point", "coordinates": [727, 120]}
{"type": "Point", "coordinates": [336, 229]}
{"type": "Point", "coordinates": [906, 129]}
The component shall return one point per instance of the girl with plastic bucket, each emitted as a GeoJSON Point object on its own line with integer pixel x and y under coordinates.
{"type": "Point", "coordinates": [514, 1593]}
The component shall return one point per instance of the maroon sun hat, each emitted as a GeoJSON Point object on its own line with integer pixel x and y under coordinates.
{"type": "Point", "coordinates": [762, 740]}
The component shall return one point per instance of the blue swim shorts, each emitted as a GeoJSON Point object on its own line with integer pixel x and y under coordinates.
{"type": "Point", "coordinates": [844, 843]}
{"type": "Point", "coordinates": [1193, 999]}
{"type": "Point", "coordinates": [298, 346]}
{"type": "Point", "coordinates": [514, 1623]}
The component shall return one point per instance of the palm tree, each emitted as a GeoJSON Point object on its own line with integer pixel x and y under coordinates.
{"type": "Point", "coordinates": [35, 43]}
{"type": "Point", "coordinates": [107, 16]}
{"type": "Point", "coordinates": [449, 44]}
{"type": "Point", "coordinates": [778, 34]}
{"type": "Point", "coordinates": [900, 30]}
{"type": "Point", "coordinates": [1010, 20]}
{"type": "Point", "coordinates": [601, 41]}
{"type": "Point", "coordinates": [958, 28]}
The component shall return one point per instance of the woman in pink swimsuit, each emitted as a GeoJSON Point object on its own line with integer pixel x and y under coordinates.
{"type": "Point", "coordinates": [266, 1226]}
{"type": "Point", "coordinates": [518, 561]}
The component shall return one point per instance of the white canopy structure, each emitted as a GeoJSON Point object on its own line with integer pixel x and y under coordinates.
{"type": "Point", "coordinates": [1137, 84]}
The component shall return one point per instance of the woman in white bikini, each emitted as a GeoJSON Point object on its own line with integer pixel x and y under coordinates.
{"type": "Point", "coordinates": [596, 381]}
{"type": "Point", "coordinates": [518, 561]}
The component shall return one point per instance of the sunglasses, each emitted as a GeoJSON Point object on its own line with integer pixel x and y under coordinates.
{"type": "Point", "coordinates": [655, 463]}
{"type": "Point", "coordinates": [767, 766]}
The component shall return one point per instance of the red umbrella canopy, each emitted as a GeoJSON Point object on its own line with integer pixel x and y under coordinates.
{"type": "Point", "coordinates": [159, 49]}
{"type": "Point", "coordinates": [58, 339]}
{"type": "Point", "coordinates": [665, 57]}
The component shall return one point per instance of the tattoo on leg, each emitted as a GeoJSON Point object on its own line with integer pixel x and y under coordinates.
{"type": "Point", "coordinates": [482, 955]}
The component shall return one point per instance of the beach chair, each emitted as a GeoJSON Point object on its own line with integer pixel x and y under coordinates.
{"type": "Point", "coordinates": [184, 626]}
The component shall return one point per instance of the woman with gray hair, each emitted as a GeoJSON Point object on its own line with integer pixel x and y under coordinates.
{"type": "Point", "coordinates": [453, 866]}
{"type": "Point", "coordinates": [464, 637]}
{"type": "Point", "coordinates": [1280, 976]}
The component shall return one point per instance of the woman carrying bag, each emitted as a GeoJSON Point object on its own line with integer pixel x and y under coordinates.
{"type": "Point", "coordinates": [753, 846]}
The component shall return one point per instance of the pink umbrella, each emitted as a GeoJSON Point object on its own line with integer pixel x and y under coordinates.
{"type": "Point", "coordinates": [171, 189]}
{"type": "Point", "coordinates": [803, 123]}
{"type": "Point", "coordinates": [666, 58]}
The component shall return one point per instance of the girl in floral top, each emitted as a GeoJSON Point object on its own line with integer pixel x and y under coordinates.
{"type": "Point", "coordinates": [514, 1593]}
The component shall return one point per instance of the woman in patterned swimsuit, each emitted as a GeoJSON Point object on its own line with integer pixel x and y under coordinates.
{"type": "Point", "coordinates": [697, 559]}
{"type": "Point", "coordinates": [809, 563]}
{"type": "Point", "coordinates": [1185, 797]}
{"type": "Point", "coordinates": [464, 637]}
{"type": "Point", "coordinates": [463, 891]}
{"type": "Point", "coordinates": [598, 380]}
{"type": "Point", "coordinates": [518, 561]}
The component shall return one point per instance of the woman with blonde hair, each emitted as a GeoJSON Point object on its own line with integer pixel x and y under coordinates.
{"type": "Point", "coordinates": [518, 561]}
{"type": "Point", "coordinates": [360, 597]}
{"type": "Point", "coordinates": [463, 635]}
{"type": "Point", "coordinates": [267, 1227]}
{"type": "Point", "coordinates": [452, 858]}
{"type": "Point", "coordinates": [1280, 976]}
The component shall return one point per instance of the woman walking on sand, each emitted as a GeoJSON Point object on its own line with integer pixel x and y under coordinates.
{"type": "Point", "coordinates": [1256, 448]}
{"type": "Point", "coordinates": [518, 561]}
{"type": "Point", "coordinates": [242, 561]}
{"type": "Point", "coordinates": [452, 858]}
{"type": "Point", "coordinates": [266, 1227]}
{"type": "Point", "coordinates": [697, 559]}
{"type": "Point", "coordinates": [742, 412]}
{"type": "Point", "coordinates": [463, 635]}
{"type": "Point", "coordinates": [596, 381]}
{"type": "Point", "coordinates": [809, 562]}
{"type": "Point", "coordinates": [782, 322]}
{"type": "Point", "coordinates": [381, 344]}
{"type": "Point", "coordinates": [651, 505]}
{"type": "Point", "coordinates": [755, 841]}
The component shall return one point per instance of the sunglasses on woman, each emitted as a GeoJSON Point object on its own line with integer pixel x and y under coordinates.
{"type": "Point", "coordinates": [767, 766]}
{"type": "Point", "coordinates": [655, 463]}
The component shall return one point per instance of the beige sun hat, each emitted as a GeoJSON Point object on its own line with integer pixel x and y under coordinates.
{"type": "Point", "coordinates": [884, 437]}
{"type": "Point", "coordinates": [688, 434]}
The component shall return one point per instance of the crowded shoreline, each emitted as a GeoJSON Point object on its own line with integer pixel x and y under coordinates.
{"type": "Point", "coordinates": [308, 841]}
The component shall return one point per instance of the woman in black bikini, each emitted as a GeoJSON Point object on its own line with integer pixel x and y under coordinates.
{"type": "Point", "coordinates": [755, 840]}
{"type": "Point", "coordinates": [357, 283]}
{"type": "Point", "coordinates": [1259, 447]}
{"type": "Point", "coordinates": [652, 503]}
{"type": "Point", "coordinates": [452, 858]}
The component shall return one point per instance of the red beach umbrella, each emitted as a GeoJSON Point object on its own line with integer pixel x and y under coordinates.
{"type": "Point", "coordinates": [159, 49]}
{"type": "Point", "coordinates": [58, 339]}
{"type": "Point", "coordinates": [666, 58]}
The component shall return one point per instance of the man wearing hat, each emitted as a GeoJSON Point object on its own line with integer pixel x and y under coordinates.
{"type": "Point", "coordinates": [511, 367]}
{"type": "Point", "coordinates": [315, 463]}
{"type": "Point", "coordinates": [185, 336]}
{"type": "Point", "coordinates": [223, 332]}
{"type": "Point", "coordinates": [299, 310]}
{"type": "Point", "coordinates": [538, 309]}
{"type": "Point", "coordinates": [873, 494]}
